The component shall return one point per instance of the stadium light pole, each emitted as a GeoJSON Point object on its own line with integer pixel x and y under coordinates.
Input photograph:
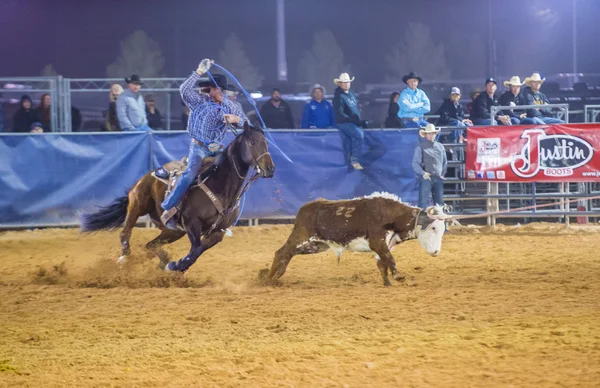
{"type": "Point", "coordinates": [281, 60]}
{"type": "Point", "coordinates": [575, 38]}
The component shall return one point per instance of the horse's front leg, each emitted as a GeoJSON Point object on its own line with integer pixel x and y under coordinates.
{"type": "Point", "coordinates": [199, 246]}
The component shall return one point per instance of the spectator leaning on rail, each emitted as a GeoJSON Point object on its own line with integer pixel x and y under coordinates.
{"type": "Point", "coordinates": [153, 114]}
{"type": "Point", "coordinates": [42, 112]}
{"type": "Point", "coordinates": [452, 114]}
{"type": "Point", "coordinates": [131, 109]}
{"type": "Point", "coordinates": [482, 107]}
{"type": "Point", "coordinates": [24, 117]}
{"type": "Point", "coordinates": [277, 113]}
{"type": "Point", "coordinates": [207, 125]}
{"type": "Point", "coordinates": [430, 165]}
{"type": "Point", "coordinates": [318, 112]}
{"type": "Point", "coordinates": [392, 120]}
{"type": "Point", "coordinates": [413, 102]}
{"type": "Point", "coordinates": [533, 96]}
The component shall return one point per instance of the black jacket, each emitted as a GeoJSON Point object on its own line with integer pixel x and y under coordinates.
{"type": "Point", "coordinates": [482, 106]}
{"type": "Point", "coordinates": [277, 117]}
{"type": "Point", "coordinates": [154, 120]}
{"type": "Point", "coordinates": [449, 111]}
{"type": "Point", "coordinates": [392, 120]}
{"type": "Point", "coordinates": [22, 120]}
{"type": "Point", "coordinates": [538, 98]}
{"type": "Point", "coordinates": [345, 106]}
{"type": "Point", "coordinates": [505, 100]}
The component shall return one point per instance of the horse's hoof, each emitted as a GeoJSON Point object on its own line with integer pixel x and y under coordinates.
{"type": "Point", "coordinates": [387, 283]}
{"type": "Point", "coordinates": [122, 260]}
{"type": "Point", "coordinates": [170, 267]}
{"type": "Point", "coordinates": [399, 277]}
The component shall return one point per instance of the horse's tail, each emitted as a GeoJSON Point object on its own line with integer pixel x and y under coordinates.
{"type": "Point", "coordinates": [107, 217]}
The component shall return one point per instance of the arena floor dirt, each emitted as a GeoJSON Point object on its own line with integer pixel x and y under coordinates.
{"type": "Point", "coordinates": [517, 307]}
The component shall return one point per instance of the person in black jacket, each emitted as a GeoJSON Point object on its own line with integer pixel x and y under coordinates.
{"type": "Point", "coordinates": [153, 114]}
{"type": "Point", "coordinates": [533, 96]}
{"type": "Point", "coordinates": [482, 107]}
{"type": "Point", "coordinates": [43, 113]}
{"type": "Point", "coordinates": [392, 120]}
{"type": "Point", "coordinates": [452, 114]}
{"type": "Point", "coordinates": [24, 117]}
{"type": "Point", "coordinates": [277, 113]}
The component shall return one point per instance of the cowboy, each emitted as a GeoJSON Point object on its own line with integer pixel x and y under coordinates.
{"type": "Point", "coordinates": [533, 96]}
{"type": "Point", "coordinates": [207, 124]}
{"type": "Point", "coordinates": [131, 107]}
{"type": "Point", "coordinates": [482, 107]}
{"type": "Point", "coordinates": [513, 97]}
{"type": "Point", "coordinates": [347, 117]}
{"type": "Point", "coordinates": [318, 112]}
{"type": "Point", "coordinates": [413, 102]}
{"type": "Point", "coordinates": [452, 114]}
{"type": "Point", "coordinates": [430, 165]}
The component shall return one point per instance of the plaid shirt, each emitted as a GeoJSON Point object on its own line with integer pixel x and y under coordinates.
{"type": "Point", "coordinates": [206, 121]}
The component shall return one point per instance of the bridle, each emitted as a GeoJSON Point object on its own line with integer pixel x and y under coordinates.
{"type": "Point", "coordinates": [255, 174]}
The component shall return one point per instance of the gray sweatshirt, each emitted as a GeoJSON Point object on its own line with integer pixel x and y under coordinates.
{"type": "Point", "coordinates": [430, 157]}
{"type": "Point", "coordinates": [131, 110]}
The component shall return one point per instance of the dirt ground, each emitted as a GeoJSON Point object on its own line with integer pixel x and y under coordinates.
{"type": "Point", "coordinates": [515, 307]}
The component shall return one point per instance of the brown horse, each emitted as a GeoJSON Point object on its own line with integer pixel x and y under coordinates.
{"type": "Point", "coordinates": [204, 219]}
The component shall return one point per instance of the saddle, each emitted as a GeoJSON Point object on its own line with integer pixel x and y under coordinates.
{"type": "Point", "coordinates": [169, 173]}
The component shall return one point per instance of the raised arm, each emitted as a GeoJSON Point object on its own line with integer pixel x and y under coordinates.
{"type": "Point", "coordinates": [191, 98]}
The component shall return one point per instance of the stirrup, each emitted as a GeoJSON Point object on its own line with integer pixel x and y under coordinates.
{"type": "Point", "coordinates": [168, 214]}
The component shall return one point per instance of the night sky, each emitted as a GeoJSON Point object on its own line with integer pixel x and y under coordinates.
{"type": "Point", "coordinates": [81, 37]}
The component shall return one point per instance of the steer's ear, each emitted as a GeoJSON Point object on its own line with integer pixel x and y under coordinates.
{"type": "Point", "coordinates": [415, 212]}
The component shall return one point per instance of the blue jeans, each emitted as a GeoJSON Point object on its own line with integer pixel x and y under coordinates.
{"type": "Point", "coordinates": [433, 187]}
{"type": "Point", "coordinates": [409, 123]}
{"type": "Point", "coordinates": [195, 158]}
{"type": "Point", "coordinates": [531, 121]}
{"type": "Point", "coordinates": [353, 140]}
{"type": "Point", "coordinates": [550, 120]}
{"type": "Point", "coordinates": [456, 134]}
{"type": "Point", "coordinates": [513, 121]}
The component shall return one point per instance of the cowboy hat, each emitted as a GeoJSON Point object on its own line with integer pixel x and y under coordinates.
{"type": "Point", "coordinates": [412, 75]}
{"type": "Point", "coordinates": [514, 80]}
{"type": "Point", "coordinates": [535, 77]}
{"type": "Point", "coordinates": [219, 80]}
{"type": "Point", "coordinates": [429, 128]}
{"type": "Point", "coordinates": [135, 79]}
{"type": "Point", "coordinates": [344, 77]}
{"type": "Point", "coordinates": [316, 86]}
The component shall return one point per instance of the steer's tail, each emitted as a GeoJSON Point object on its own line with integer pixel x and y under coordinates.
{"type": "Point", "coordinates": [107, 217]}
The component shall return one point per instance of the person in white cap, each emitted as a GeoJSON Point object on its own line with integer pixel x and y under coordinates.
{"type": "Point", "coordinates": [318, 112]}
{"type": "Point", "coordinates": [452, 114]}
{"type": "Point", "coordinates": [513, 97]}
{"type": "Point", "coordinates": [430, 164]}
{"type": "Point", "coordinates": [347, 117]}
{"type": "Point", "coordinates": [533, 96]}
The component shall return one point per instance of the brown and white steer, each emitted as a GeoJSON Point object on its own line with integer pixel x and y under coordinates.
{"type": "Point", "coordinates": [372, 223]}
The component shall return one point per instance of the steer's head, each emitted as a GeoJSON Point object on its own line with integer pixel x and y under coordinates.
{"type": "Point", "coordinates": [430, 227]}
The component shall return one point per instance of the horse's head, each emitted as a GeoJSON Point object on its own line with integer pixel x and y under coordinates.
{"type": "Point", "coordinates": [254, 151]}
{"type": "Point", "coordinates": [430, 227]}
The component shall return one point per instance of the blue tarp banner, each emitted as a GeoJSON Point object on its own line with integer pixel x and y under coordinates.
{"type": "Point", "coordinates": [45, 179]}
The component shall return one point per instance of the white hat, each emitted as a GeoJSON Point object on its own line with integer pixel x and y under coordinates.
{"type": "Point", "coordinates": [455, 90]}
{"type": "Point", "coordinates": [535, 77]}
{"type": "Point", "coordinates": [316, 86]}
{"type": "Point", "coordinates": [514, 80]}
{"type": "Point", "coordinates": [429, 128]}
{"type": "Point", "coordinates": [344, 77]}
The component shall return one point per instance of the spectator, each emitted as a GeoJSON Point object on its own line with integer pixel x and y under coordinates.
{"type": "Point", "coordinates": [430, 165]}
{"type": "Point", "coordinates": [112, 121]}
{"type": "Point", "coordinates": [24, 117]}
{"type": "Point", "coordinates": [392, 120]}
{"type": "Point", "coordinates": [153, 114]}
{"type": "Point", "coordinates": [318, 112]}
{"type": "Point", "coordinates": [452, 114]}
{"type": "Point", "coordinates": [76, 119]}
{"type": "Point", "coordinates": [232, 96]}
{"type": "Point", "coordinates": [513, 97]}
{"type": "Point", "coordinates": [42, 112]}
{"type": "Point", "coordinates": [413, 102]}
{"type": "Point", "coordinates": [36, 127]}
{"type": "Point", "coordinates": [131, 109]}
{"type": "Point", "coordinates": [474, 94]}
{"type": "Point", "coordinates": [276, 113]}
{"type": "Point", "coordinates": [482, 107]}
{"type": "Point", "coordinates": [533, 96]}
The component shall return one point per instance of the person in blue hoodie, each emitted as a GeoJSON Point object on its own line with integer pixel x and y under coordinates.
{"type": "Point", "coordinates": [318, 112]}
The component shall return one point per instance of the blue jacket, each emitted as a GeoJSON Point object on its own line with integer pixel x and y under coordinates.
{"type": "Point", "coordinates": [413, 103]}
{"type": "Point", "coordinates": [318, 115]}
{"type": "Point", "coordinates": [346, 107]}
